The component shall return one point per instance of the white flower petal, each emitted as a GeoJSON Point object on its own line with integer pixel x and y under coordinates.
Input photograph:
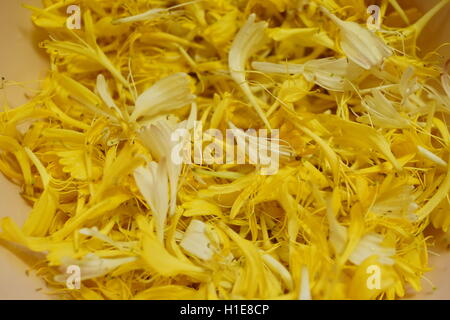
{"type": "Point", "coordinates": [288, 68]}
{"type": "Point", "coordinates": [408, 84]}
{"type": "Point", "coordinates": [103, 91]}
{"type": "Point", "coordinates": [305, 291]}
{"type": "Point", "coordinates": [165, 95]}
{"type": "Point", "coordinates": [94, 232]}
{"type": "Point", "coordinates": [431, 156]}
{"type": "Point", "coordinates": [329, 73]}
{"type": "Point", "coordinates": [258, 146]}
{"type": "Point", "coordinates": [382, 112]}
{"type": "Point", "coordinates": [280, 269]}
{"type": "Point", "coordinates": [157, 138]}
{"type": "Point", "coordinates": [247, 41]}
{"type": "Point", "coordinates": [369, 245]}
{"type": "Point", "coordinates": [153, 185]}
{"type": "Point", "coordinates": [359, 44]}
{"type": "Point", "coordinates": [397, 202]}
{"type": "Point", "coordinates": [196, 241]}
{"type": "Point", "coordinates": [192, 118]}
{"type": "Point", "coordinates": [332, 74]}
{"type": "Point", "coordinates": [92, 266]}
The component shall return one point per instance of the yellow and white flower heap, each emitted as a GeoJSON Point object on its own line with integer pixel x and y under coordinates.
{"type": "Point", "coordinates": [363, 114]}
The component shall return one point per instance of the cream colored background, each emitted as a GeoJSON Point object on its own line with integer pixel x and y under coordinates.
{"type": "Point", "coordinates": [21, 60]}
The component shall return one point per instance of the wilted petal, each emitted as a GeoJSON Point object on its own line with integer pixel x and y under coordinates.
{"type": "Point", "coordinates": [332, 74]}
{"type": "Point", "coordinates": [329, 73]}
{"type": "Point", "coordinates": [280, 269]}
{"type": "Point", "coordinates": [369, 245]}
{"type": "Point", "coordinates": [382, 112]}
{"type": "Point", "coordinates": [196, 241]}
{"type": "Point", "coordinates": [165, 95]}
{"type": "Point", "coordinates": [103, 91]}
{"type": "Point", "coordinates": [95, 233]}
{"type": "Point", "coordinates": [305, 291]}
{"type": "Point", "coordinates": [153, 185]}
{"type": "Point", "coordinates": [359, 44]}
{"type": "Point", "coordinates": [396, 202]}
{"type": "Point", "coordinates": [248, 40]}
{"type": "Point", "coordinates": [92, 266]}
{"type": "Point", "coordinates": [157, 138]}
{"type": "Point", "coordinates": [258, 146]}
{"type": "Point", "coordinates": [431, 156]}
{"type": "Point", "coordinates": [268, 67]}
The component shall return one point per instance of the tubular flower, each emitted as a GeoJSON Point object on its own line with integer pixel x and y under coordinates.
{"type": "Point", "coordinates": [92, 266]}
{"type": "Point", "coordinates": [153, 185]}
{"type": "Point", "coordinates": [359, 44]}
{"type": "Point", "coordinates": [331, 74]}
{"type": "Point", "coordinates": [247, 41]}
{"type": "Point", "coordinates": [382, 112]}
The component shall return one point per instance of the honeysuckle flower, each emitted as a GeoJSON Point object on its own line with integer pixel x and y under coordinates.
{"type": "Point", "coordinates": [157, 137]}
{"type": "Point", "coordinates": [305, 291]}
{"type": "Point", "coordinates": [279, 269]}
{"type": "Point", "coordinates": [261, 150]}
{"type": "Point", "coordinates": [259, 146]}
{"type": "Point", "coordinates": [369, 245]}
{"type": "Point", "coordinates": [370, 137]}
{"type": "Point", "coordinates": [196, 241]}
{"type": "Point", "coordinates": [329, 73]}
{"type": "Point", "coordinates": [359, 44]}
{"type": "Point", "coordinates": [248, 40]}
{"type": "Point", "coordinates": [92, 266]}
{"type": "Point", "coordinates": [408, 85]}
{"type": "Point", "coordinates": [431, 156]}
{"type": "Point", "coordinates": [165, 95]}
{"type": "Point", "coordinates": [103, 91]}
{"type": "Point", "coordinates": [441, 98]}
{"type": "Point", "coordinates": [152, 182]}
{"type": "Point", "coordinates": [82, 95]}
{"type": "Point", "coordinates": [382, 112]}
{"type": "Point", "coordinates": [410, 90]}
{"type": "Point", "coordinates": [158, 258]}
{"type": "Point", "coordinates": [396, 202]}
{"type": "Point", "coordinates": [95, 233]}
